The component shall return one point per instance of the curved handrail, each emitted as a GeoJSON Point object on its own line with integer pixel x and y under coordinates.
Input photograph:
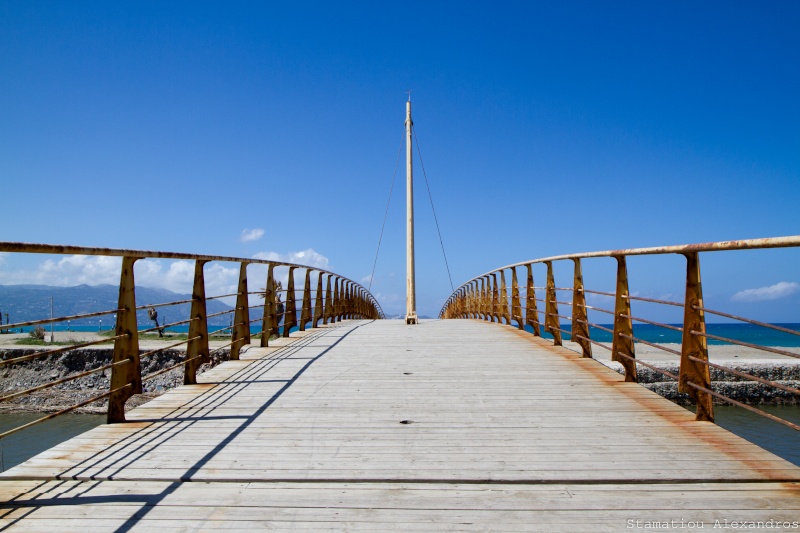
{"type": "Point", "coordinates": [341, 298]}
{"type": "Point", "coordinates": [746, 244]}
{"type": "Point", "coordinates": [484, 297]}
{"type": "Point", "coordinates": [61, 249]}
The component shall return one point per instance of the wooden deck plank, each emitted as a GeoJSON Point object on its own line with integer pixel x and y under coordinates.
{"type": "Point", "coordinates": [505, 433]}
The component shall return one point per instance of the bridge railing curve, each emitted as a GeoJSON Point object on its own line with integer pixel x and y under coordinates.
{"type": "Point", "coordinates": [487, 297]}
{"type": "Point", "coordinates": [325, 297]}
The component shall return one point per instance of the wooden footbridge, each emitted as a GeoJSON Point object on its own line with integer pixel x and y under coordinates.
{"type": "Point", "coordinates": [372, 425]}
{"type": "Point", "coordinates": [362, 424]}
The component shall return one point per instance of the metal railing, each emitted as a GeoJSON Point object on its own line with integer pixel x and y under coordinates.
{"type": "Point", "coordinates": [337, 299]}
{"type": "Point", "coordinates": [484, 298]}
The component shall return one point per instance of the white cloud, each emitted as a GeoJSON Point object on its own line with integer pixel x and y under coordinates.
{"type": "Point", "coordinates": [597, 299]}
{"type": "Point", "coordinates": [175, 276]}
{"type": "Point", "coordinates": [68, 271]}
{"type": "Point", "coordinates": [365, 280]}
{"type": "Point", "coordinates": [304, 257]}
{"type": "Point", "coordinates": [249, 235]}
{"type": "Point", "coordinates": [72, 270]}
{"type": "Point", "coordinates": [257, 274]}
{"type": "Point", "coordinates": [179, 276]}
{"type": "Point", "coordinates": [773, 292]}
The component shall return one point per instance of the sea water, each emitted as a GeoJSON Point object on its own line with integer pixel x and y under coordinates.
{"type": "Point", "coordinates": [749, 333]}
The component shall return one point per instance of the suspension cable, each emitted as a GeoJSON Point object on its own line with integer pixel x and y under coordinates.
{"type": "Point", "coordinates": [391, 188]}
{"type": "Point", "coordinates": [421, 164]}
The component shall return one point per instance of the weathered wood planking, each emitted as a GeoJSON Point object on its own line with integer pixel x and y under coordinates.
{"type": "Point", "coordinates": [453, 425]}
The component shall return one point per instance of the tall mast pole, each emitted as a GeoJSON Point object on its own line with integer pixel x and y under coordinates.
{"type": "Point", "coordinates": [411, 298]}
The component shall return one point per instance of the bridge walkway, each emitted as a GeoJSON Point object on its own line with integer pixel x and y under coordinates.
{"type": "Point", "coordinates": [364, 426]}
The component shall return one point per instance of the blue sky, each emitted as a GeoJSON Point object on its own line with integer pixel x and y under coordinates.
{"type": "Point", "coordinates": [545, 128]}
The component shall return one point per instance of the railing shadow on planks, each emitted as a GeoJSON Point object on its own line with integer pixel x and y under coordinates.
{"type": "Point", "coordinates": [335, 298]}
{"type": "Point", "coordinates": [483, 297]}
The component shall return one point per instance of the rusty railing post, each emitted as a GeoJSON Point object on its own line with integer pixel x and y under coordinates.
{"type": "Point", "coordinates": [504, 310]}
{"type": "Point", "coordinates": [240, 335]}
{"type": "Point", "coordinates": [516, 305]}
{"type": "Point", "coordinates": [552, 323]}
{"type": "Point", "coordinates": [327, 315]}
{"type": "Point", "coordinates": [197, 349]}
{"type": "Point", "coordinates": [495, 298]}
{"type": "Point", "coordinates": [337, 301]}
{"type": "Point", "coordinates": [623, 325]}
{"type": "Point", "coordinates": [305, 314]}
{"type": "Point", "coordinates": [348, 301]}
{"type": "Point", "coordinates": [126, 348]}
{"type": "Point", "coordinates": [342, 301]}
{"type": "Point", "coordinates": [471, 300]}
{"type": "Point", "coordinates": [482, 304]}
{"type": "Point", "coordinates": [580, 320]}
{"type": "Point", "coordinates": [695, 345]}
{"type": "Point", "coordinates": [269, 322]}
{"type": "Point", "coordinates": [318, 306]}
{"type": "Point", "coordinates": [290, 311]}
{"type": "Point", "coordinates": [531, 312]}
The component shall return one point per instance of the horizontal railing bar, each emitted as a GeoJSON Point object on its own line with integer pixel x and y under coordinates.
{"type": "Point", "coordinates": [225, 346]}
{"type": "Point", "coordinates": [210, 333]}
{"type": "Point", "coordinates": [654, 345]}
{"type": "Point", "coordinates": [609, 330]}
{"type": "Point", "coordinates": [63, 411]}
{"type": "Point", "coordinates": [599, 309]}
{"type": "Point", "coordinates": [745, 375]}
{"type": "Point", "coordinates": [165, 348]}
{"type": "Point", "coordinates": [172, 367]}
{"type": "Point", "coordinates": [262, 293]}
{"type": "Point", "coordinates": [675, 328]}
{"type": "Point", "coordinates": [58, 350]}
{"type": "Point", "coordinates": [59, 319]}
{"type": "Point", "coordinates": [652, 300]}
{"type": "Point", "coordinates": [651, 367]}
{"type": "Point", "coordinates": [178, 302]}
{"type": "Point", "coordinates": [742, 343]}
{"type": "Point", "coordinates": [228, 311]}
{"type": "Point", "coordinates": [749, 321]}
{"type": "Point", "coordinates": [165, 326]}
{"type": "Point", "coordinates": [65, 380]}
{"type": "Point", "coordinates": [600, 292]}
{"type": "Point", "coordinates": [744, 406]}
{"type": "Point", "coordinates": [57, 249]}
{"type": "Point", "coordinates": [747, 244]}
{"type": "Point", "coordinates": [594, 342]}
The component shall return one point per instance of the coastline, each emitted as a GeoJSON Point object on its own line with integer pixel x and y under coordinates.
{"type": "Point", "coordinates": [773, 367]}
{"type": "Point", "coordinates": [29, 374]}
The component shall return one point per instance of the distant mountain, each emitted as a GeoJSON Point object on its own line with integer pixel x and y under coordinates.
{"type": "Point", "coordinates": [32, 302]}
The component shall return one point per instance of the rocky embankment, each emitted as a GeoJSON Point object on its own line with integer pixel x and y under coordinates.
{"type": "Point", "coordinates": [732, 386]}
{"type": "Point", "coordinates": [29, 374]}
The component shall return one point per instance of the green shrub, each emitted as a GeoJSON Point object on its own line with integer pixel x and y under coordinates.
{"type": "Point", "coordinates": [37, 333]}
